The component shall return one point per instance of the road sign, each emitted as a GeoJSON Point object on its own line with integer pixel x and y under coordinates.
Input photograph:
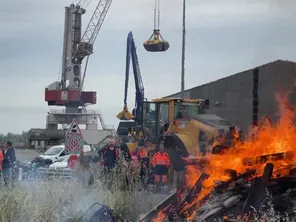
{"type": "Point", "coordinates": [74, 139]}
{"type": "Point", "coordinates": [74, 128]}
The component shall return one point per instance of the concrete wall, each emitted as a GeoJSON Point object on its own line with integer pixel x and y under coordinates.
{"type": "Point", "coordinates": [231, 97]}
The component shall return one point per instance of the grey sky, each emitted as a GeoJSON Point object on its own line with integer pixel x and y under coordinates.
{"type": "Point", "coordinates": [223, 37]}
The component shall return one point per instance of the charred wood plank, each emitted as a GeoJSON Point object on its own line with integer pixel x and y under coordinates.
{"type": "Point", "coordinates": [152, 214]}
{"type": "Point", "coordinates": [169, 205]}
{"type": "Point", "coordinates": [257, 190]}
{"type": "Point", "coordinates": [231, 220]}
{"type": "Point", "coordinates": [248, 174]}
{"type": "Point", "coordinates": [192, 210]}
{"type": "Point", "coordinates": [167, 202]}
{"type": "Point", "coordinates": [220, 149]}
{"type": "Point", "coordinates": [177, 207]}
{"type": "Point", "coordinates": [219, 188]}
{"type": "Point", "coordinates": [210, 213]}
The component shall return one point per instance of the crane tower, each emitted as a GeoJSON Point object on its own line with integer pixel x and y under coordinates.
{"type": "Point", "coordinates": [77, 48]}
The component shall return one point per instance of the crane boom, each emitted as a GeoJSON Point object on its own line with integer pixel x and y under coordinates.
{"type": "Point", "coordinates": [85, 48]}
{"type": "Point", "coordinates": [96, 21]}
{"type": "Point", "coordinates": [131, 53]}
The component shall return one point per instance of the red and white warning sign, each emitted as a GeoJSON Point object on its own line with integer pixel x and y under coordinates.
{"type": "Point", "coordinates": [74, 140]}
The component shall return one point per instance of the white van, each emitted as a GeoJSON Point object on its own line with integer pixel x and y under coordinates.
{"type": "Point", "coordinates": [55, 152]}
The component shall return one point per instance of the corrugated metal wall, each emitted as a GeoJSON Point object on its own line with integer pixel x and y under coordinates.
{"type": "Point", "coordinates": [231, 97]}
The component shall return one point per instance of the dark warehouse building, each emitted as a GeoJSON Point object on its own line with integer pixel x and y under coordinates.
{"type": "Point", "coordinates": [232, 97]}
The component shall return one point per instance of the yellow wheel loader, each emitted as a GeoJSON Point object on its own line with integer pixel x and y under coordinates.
{"type": "Point", "coordinates": [181, 123]}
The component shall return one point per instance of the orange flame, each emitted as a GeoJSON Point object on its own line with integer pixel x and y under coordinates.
{"type": "Point", "coordinates": [268, 140]}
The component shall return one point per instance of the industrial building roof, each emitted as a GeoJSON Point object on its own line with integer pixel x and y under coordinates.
{"type": "Point", "coordinates": [277, 62]}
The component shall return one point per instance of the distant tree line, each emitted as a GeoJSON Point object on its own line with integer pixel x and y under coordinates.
{"type": "Point", "coordinates": [14, 138]}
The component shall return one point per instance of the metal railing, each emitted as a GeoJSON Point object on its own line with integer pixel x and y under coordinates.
{"type": "Point", "coordinates": [86, 111]}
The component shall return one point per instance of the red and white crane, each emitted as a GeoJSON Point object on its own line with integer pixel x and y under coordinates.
{"type": "Point", "coordinates": [67, 91]}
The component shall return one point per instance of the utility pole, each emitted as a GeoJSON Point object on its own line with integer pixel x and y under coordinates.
{"type": "Point", "coordinates": [183, 51]}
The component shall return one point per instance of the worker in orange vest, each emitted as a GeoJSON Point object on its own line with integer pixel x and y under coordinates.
{"type": "Point", "coordinates": [161, 163]}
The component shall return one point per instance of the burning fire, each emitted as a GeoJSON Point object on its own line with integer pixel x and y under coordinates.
{"type": "Point", "coordinates": [273, 144]}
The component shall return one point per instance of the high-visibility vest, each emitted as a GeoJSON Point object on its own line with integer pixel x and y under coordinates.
{"type": "Point", "coordinates": [161, 159]}
{"type": "Point", "coordinates": [143, 153]}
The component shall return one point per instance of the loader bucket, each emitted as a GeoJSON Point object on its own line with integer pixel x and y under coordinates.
{"type": "Point", "coordinates": [188, 138]}
{"type": "Point", "coordinates": [125, 115]}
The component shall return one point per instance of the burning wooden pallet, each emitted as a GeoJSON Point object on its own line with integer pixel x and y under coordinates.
{"type": "Point", "coordinates": [232, 182]}
{"type": "Point", "coordinates": [241, 194]}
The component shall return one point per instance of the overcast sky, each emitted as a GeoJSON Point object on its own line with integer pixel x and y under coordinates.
{"type": "Point", "coordinates": [223, 37]}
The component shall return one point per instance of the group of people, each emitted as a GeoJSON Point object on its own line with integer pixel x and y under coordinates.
{"type": "Point", "coordinates": [162, 164]}
{"type": "Point", "coordinates": [7, 160]}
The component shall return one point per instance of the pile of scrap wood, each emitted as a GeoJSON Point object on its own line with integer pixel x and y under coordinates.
{"type": "Point", "coordinates": [233, 199]}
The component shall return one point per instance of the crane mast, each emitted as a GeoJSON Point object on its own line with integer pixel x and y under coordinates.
{"type": "Point", "coordinates": [71, 65]}
{"type": "Point", "coordinates": [76, 48]}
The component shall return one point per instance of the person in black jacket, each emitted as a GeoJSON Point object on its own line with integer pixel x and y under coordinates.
{"type": "Point", "coordinates": [109, 155]}
{"type": "Point", "coordinates": [7, 165]}
{"type": "Point", "coordinates": [178, 165]}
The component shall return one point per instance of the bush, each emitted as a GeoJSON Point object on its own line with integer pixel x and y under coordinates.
{"type": "Point", "coordinates": [124, 192]}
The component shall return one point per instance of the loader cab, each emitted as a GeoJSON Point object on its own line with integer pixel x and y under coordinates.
{"type": "Point", "coordinates": [159, 114]}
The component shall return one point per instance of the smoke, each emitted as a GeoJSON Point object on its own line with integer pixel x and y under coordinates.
{"type": "Point", "coordinates": [64, 200]}
{"type": "Point", "coordinates": [55, 200]}
{"type": "Point", "coordinates": [284, 5]}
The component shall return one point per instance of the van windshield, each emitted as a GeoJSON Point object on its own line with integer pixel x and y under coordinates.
{"type": "Point", "coordinates": [54, 150]}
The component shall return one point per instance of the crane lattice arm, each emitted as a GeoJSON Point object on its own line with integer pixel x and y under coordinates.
{"type": "Point", "coordinates": [85, 48]}
{"type": "Point", "coordinates": [96, 21]}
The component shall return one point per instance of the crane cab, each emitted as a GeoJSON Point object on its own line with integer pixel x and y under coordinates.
{"type": "Point", "coordinates": [156, 43]}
